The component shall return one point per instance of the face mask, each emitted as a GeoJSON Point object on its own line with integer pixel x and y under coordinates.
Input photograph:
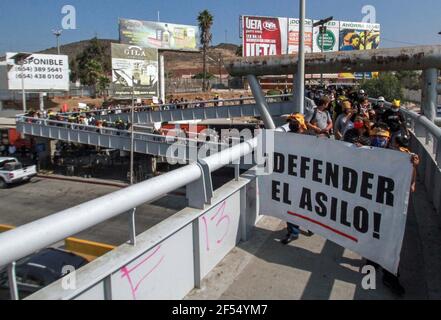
{"type": "Point", "coordinates": [395, 109]}
{"type": "Point", "coordinates": [379, 142]}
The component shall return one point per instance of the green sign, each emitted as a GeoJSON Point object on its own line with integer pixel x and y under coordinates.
{"type": "Point", "coordinates": [329, 40]}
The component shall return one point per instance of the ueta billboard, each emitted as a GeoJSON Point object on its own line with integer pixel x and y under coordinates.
{"type": "Point", "coordinates": [266, 36]}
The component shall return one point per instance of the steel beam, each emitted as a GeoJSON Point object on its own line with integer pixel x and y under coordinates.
{"type": "Point", "coordinates": [261, 103]}
{"type": "Point", "coordinates": [408, 58]}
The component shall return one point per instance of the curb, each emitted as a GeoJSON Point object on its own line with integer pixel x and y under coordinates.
{"type": "Point", "coordinates": [88, 181]}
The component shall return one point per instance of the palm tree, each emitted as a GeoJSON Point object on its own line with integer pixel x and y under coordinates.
{"type": "Point", "coordinates": [205, 20]}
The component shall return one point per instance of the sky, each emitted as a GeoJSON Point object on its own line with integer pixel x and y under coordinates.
{"type": "Point", "coordinates": [26, 25]}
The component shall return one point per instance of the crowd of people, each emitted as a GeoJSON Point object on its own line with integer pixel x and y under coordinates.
{"type": "Point", "coordinates": [82, 118]}
{"type": "Point", "coordinates": [352, 118]}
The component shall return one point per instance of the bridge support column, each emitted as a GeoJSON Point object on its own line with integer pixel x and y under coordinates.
{"type": "Point", "coordinates": [261, 102]}
{"type": "Point", "coordinates": [429, 93]}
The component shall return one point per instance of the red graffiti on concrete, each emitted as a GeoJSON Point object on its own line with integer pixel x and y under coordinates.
{"type": "Point", "coordinates": [126, 272]}
{"type": "Point", "coordinates": [219, 217]}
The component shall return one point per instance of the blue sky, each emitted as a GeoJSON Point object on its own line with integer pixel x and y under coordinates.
{"type": "Point", "coordinates": [25, 25]}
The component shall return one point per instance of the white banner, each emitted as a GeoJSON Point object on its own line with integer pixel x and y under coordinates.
{"type": "Point", "coordinates": [355, 197]}
{"type": "Point", "coordinates": [39, 71]}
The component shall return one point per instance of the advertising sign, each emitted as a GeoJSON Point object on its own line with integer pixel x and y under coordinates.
{"type": "Point", "coordinates": [331, 37]}
{"type": "Point", "coordinates": [358, 36]}
{"type": "Point", "coordinates": [351, 196]}
{"type": "Point", "coordinates": [39, 71]}
{"type": "Point", "coordinates": [264, 36]}
{"type": "Point", "coordinates": [158, 35]}
{"type": "Point", "coordinates": [134, 69]}
{"type": "Point", "coordinates": [294, 38]}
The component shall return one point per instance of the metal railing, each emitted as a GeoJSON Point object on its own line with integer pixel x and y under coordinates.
{"type": "Point", "coordinates": [148, 137]}
{"type": "Point", "coordinates": [42, 233]}
{"type": "Point", "coordinates": [186, 105]}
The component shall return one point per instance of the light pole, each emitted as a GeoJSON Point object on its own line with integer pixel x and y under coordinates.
{"type": "Point", "coordinates": [323, 30]}
{"type": "Point", "coordinates": [220, 68]}
{"type": "Point", "coordinates": [132, 133]}
{"type": "Point", "coordinates": [300, 97]}
{"type": "Point", "coordinates": [57, 34]}
{"type": "Point", "coordinates": [19, 59]}
{"type": "Point", "coordinates": [366, 34]}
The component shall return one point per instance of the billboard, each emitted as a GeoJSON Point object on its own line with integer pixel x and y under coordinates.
{"type": "Point", "coordinates": [331, 39]}
{"type": "Point", "coordinates": [294, 38]}
{"type": "Point", "coordinates": [158, 35]}
{"type": "Point", "coordinates": [39, 72]}
{"type": "Point", "coordinates": [264, 36]}
{"type": "Point", "coordinates": [358, 36]}
{"type": "Point", "coordinates": [134, 70]}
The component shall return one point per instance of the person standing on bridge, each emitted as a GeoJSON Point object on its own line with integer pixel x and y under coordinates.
{"type": "Point", "coordinates": [380, 138]}
{"type": "Point", "coordinates": [344, 120]}
{"type": "Point", "coordinates": [320, 121]}
{"type": "Point", "coordinates": [395, 119]}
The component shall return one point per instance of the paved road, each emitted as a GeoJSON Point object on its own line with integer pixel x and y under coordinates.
{"type": "Point", "coordinates": [313, 268]}
{"type": "Point", "coordinates": [41, 197]}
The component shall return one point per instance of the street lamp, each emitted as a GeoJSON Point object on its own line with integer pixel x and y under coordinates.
{"type": "Point", "coordinates": [300, 96]}
{"type": "Point", "coordinates": [57, 34]}
{"type": "Point", "coordinates": [323, 30]}
{"type": "Point", "coordinates": [19, 59]}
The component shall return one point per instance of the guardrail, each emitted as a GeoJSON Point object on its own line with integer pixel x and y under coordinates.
{"type": "Point", "coordinates": [183, 148]}
{"type": "Point", "coordinates": [427, 144]}
{"type": "Point", "coordinates": [171, 258]}
{"type": "Point", "coordinates": [184, 105]}
{"type": "Point", "coordinates": [42, 233]}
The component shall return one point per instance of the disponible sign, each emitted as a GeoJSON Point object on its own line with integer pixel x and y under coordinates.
{"type": "Point", "coordinates": [158, 35]}
{"type": "Point", "coordinates": [134, 70]}
{"type": "Point", "coordinates": [355, 197]}
{"type": "Point", "coordinates": [39, 72]}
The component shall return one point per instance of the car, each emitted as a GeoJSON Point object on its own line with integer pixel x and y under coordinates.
{"type": "Point", "coordinates": [12, 171]}
{"type": "Point", "coordinates": [37, 271]}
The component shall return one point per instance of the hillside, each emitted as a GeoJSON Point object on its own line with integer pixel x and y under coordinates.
{"type": "Point", "coordinates": [177, 64]}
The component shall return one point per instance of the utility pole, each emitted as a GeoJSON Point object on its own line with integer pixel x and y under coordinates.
{"type": "Point", "coordinates": [366, 35]}
{"type": "Point", "coordinates": [322, 31]}
{"type": "Point", "coordinates": [132, 133]}
{"type": "Point", "coordinates": [57, 34]}
{"type": "Point", "coordinates": [19, 59]}
{"type": "Point", "coordinates": [220, 68]}
{"type": "Point", "coordinates": [300, 97]}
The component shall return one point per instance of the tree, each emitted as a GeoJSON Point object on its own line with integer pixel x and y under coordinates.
{"type": "Point", "coordinates": [409, 79]}
{"type": "Point", "coordinates": [92, 64]}
{"type": "Point", "coordinates": [103, 83]}
{"type": "Point", "coordinates": [239, 51]}
{"type": "Point", "coordinates": [205, 20]}
{"type": "Point", "coordinates": [74, 74]}
{"type": "Point", "coordinates": [386, 85]}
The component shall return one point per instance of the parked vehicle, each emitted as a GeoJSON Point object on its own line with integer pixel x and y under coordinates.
{"type": "Point", "coordinates": [12, 171]}
{"type": "Point", "coordinates": [39, 270]}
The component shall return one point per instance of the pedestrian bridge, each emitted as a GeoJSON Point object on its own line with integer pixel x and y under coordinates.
{"type": "Point", "coordinates": [210, 240]}
{"type": "Point", "coordinates": [219, 246]}
{"type": "Point", "coordinates": [231, 108]}
{"type": "Point", "coordinates": [171, 146]}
